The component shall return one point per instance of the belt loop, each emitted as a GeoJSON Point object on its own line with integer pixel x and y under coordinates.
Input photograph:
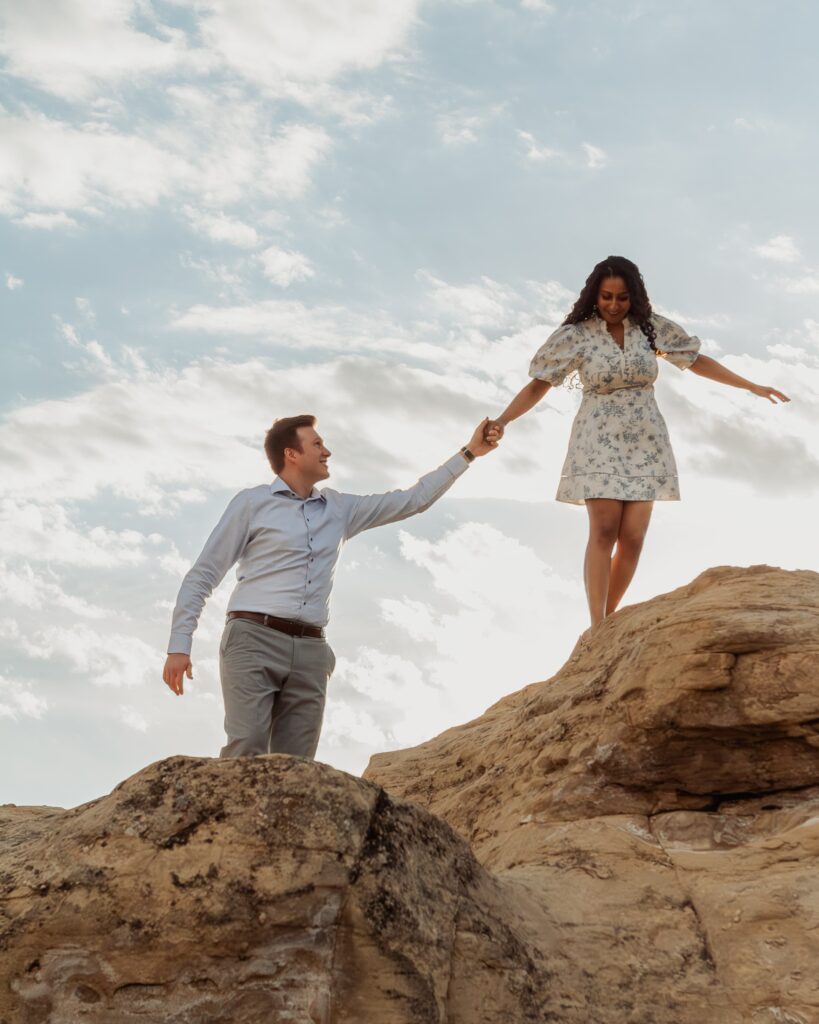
{"type": "Point", "coordinates": [265, 619]}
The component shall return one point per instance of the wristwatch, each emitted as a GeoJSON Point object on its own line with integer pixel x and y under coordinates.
{"type": "Point", "coordinates": [467, 454]}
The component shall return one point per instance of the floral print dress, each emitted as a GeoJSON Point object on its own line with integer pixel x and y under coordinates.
{"type": "Point", "coordinates": [619, 446]}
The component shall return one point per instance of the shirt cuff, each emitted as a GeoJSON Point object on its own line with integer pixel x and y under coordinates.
{"type": "Point", "coordinates": [180, 643]}
{"type": "Point", "coordinates": [457, 465]}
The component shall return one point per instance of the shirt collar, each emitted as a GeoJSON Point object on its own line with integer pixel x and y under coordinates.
{"type": "Point", "coordinates": [279, 486]}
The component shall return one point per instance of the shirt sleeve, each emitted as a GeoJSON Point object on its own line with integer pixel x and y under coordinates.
{"type": "Point", "coordinates": [673, 344]}
{"type": "Point", "coordinates": [365, 511]}
{"type": "Point", "coordinates": [557, 357]}
{"type": "Point", "coordinates": [222, 549]}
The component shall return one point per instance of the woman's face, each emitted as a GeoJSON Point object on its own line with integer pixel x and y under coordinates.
{"type": "Point", "coordinates": [613, 300]}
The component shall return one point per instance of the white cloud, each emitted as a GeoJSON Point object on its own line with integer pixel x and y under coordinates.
{"type": "Point", "coordinates": [380, 699]}
{"type": "Point", "coordinates": [790, 352]}
{"type": "Point", "coordinates": [96, 165]}
{"type": "Point", "coordinates": [742, 438]}
{"type": "Point", "coordinates": [803, 284]}
{"type": "Point", "coordinates": [13, 283]}
{"type": "Point", "coordinates": [780, 248]}
{"type": "Point", "coordinates": [100, 168]}
{"type": "Point", "coordinates": [538, 5]}
{"type": "Point", "coordinates": [44, 532]}
{"type": "Point", "coordinates": [69, 47]}
{"type": "Point", "coordinates": [85, 308]}
{"type": "Point", "coordinates": [103, 658]}
{"type": "Point", "coordinates": [279, 42]}
{"type": "Point", "coordinates": [485, 584]}
{"type": "Point", "coordinates": [696, 321]}
{"type": "Point", "coordinates": [222, 228]}
{"type": "Point", "coordinates": [219, 273]}
{"type": "Point", "coordinates": [77, 49]}
{"type": "Point", "coordinates": [484, 304]}
{"type": "Point", "coordinates": [595, 157]}
{"type": "Point", "coordinates": [25, 587]}
{"type": "Point", "coordinates": [290, 323]}
{"type": "Point", "coordinates": [536, 152]}
{"type": "Point", "coordinates": [46, 221]}
{"type": "Point", "coordinates": [16, 700]}
{"type": "Point", "coordinates": [283, 266]}
{"type": "Point", "coordinates": [288, 159]}
{"type": "Point", "coordinates": [457, 129]}
{"type": "Point", "coordinates": [133, 718]}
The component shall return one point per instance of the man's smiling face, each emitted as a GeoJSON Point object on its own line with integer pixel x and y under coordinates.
{"type": "Point", "coordinates": [311, 461]}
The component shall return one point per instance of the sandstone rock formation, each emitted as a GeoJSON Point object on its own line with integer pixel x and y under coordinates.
{"type": "Point", "coordinates": [659, 798]}
{"type": "Point", "coordinates": [255, 891]}
{"type": "Point", "coordinates": [639, 842]}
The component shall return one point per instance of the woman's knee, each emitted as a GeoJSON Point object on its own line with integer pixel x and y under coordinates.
{"type": "Point", "coordinates": [603, 534]}
{"type": "Point", "coordinates": [631, 541]}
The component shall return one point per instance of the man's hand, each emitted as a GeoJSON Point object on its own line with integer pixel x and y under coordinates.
{"type": "Point", "coordinates": [484, 439]}
{"type": "Point", "coordinates": [177, 666]}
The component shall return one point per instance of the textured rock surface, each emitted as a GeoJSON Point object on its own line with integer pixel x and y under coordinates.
{"type": "Point", "coordinates": [262, 890]}
{"type": "Point", "coordinates": [659, 797]}
{"type": "Point", "coordinates": [639, 842]}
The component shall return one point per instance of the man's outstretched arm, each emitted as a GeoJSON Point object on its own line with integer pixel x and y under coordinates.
{"type": "Point", "coordinates": [365, 511]}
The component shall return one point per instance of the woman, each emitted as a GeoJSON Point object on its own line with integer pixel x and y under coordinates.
{"type": "Point", "coordinates": [619, 460]}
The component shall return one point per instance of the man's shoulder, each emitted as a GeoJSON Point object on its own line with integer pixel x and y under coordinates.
{"type": "Point", "coordinates": [330, 494]}
{"type": "Point", "coordinates": [251, 496]}
{"type": "Point", "coordinates": [259, 491]}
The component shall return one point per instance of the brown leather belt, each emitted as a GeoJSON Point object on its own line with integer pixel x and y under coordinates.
{"type": "Point", "coordinates": [282, 625]}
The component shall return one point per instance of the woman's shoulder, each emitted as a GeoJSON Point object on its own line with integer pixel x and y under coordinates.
{"type": "Point", "coordinates": [664, 323]}
{"type": "Point", "coordinates": [569, 332]}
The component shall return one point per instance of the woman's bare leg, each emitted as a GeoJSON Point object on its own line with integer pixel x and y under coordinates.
{"type": "Point", "coordinates": [604, 527]}
{"type": "Point", "coordinates": [633, 526]}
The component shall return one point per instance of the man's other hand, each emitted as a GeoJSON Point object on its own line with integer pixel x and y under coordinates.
{"type": "Point", "coordinates": [485, 438]}
{"type": "Point", "coordinates": [177, 666]}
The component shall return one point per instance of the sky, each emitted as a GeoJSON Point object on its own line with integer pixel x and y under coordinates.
{"type": "Point", "coordinates": [219, 212]}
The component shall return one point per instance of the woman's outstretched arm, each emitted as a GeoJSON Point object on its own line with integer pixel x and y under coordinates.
{"type": "Point", "coordinates": [705, 366]}
{"type": "Point", "coordinates": [528, 397]}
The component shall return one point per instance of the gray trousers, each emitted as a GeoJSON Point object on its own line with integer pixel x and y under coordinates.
{"type": "Point", "coordinates": [274, 687]}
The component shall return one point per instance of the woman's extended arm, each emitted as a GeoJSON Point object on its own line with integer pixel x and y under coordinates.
{"type": "Point", "coordinates": [528, 397]}
{"type": "Point", "coordinates": [705, 366]}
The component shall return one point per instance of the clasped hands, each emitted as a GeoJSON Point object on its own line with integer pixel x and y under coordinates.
{"type": "Point", "coordinates": [486, 437]}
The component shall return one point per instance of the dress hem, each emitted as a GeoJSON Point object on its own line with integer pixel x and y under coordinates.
{"type": "Point", "coordinates": [574, 490]}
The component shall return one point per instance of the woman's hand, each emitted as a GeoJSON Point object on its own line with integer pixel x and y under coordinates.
{"type": "Point", "coordinates": [770, 393]}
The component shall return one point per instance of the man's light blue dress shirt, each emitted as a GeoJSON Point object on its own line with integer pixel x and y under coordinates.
{"type": "Point", "coordinates": [287, 547]}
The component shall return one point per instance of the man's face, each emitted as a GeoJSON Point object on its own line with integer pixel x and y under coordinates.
{"type": "Point", "coordinates": [311, 461]}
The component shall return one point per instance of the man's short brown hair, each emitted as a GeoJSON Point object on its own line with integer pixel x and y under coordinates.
{"type": "Point", "coordinates": [284, 434]}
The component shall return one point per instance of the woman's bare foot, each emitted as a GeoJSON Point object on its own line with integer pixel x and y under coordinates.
{"type": "Point", "coordinates": [586, 636]}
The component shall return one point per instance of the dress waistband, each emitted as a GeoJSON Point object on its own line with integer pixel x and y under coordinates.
{"type": "Point", "coordinates": [605, 389]}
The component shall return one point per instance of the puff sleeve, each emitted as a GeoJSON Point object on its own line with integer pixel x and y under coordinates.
{"type": "Point", "coordinates": [557, 357]}
{"type": "Point", "coordinates": [674, 344]}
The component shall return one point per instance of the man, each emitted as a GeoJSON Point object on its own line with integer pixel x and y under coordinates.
{"type": "Point", "coordinates": [287, 536]}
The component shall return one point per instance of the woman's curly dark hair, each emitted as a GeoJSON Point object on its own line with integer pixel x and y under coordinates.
{"type": "Point", "coordinates": [616, 266]}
